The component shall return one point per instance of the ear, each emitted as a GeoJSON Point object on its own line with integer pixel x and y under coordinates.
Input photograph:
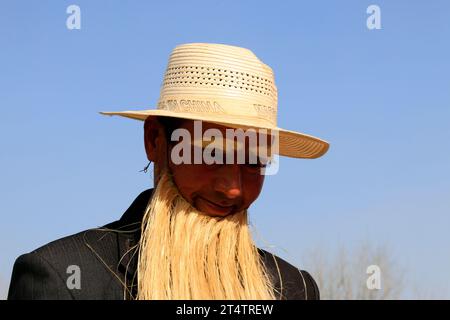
{"type": "Point", "coordinates": [154, 140]}
{"type": "Point", "coordinates": [155, 146]}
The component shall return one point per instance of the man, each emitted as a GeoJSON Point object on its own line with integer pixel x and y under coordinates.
{"type": "Point", "coordinates": [189, 237]}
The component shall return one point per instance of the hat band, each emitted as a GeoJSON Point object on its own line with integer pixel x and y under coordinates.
{"type": "Point", "coordinates": [222, 108]}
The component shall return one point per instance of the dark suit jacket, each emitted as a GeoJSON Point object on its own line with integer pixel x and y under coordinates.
{"type": "Point", "coordinates": [107, 262]}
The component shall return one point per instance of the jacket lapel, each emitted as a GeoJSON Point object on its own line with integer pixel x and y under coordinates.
{"type": "Point", "coordinates": [128, 235]}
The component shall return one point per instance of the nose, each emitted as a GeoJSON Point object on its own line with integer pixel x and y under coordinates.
{"type": "Point", "coordinates": [233, 193]}
{"type": "Point", "coordinates": [229, 181]}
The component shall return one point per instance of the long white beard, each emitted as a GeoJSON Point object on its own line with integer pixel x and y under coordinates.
{"type": "Point", "coordinates": [185, 254]}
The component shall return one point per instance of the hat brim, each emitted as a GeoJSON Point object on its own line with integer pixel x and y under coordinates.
{"type": "Point", "coordinates": [291, 144]}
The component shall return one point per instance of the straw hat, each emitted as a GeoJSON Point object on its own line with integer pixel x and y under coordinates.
{"type": "Point", "coordinates": [227, 85]}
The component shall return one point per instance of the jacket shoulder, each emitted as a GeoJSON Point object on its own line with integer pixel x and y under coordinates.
{"type": "Point", "coordinates": [44, 273]}
{"type": "Point", "coordinates": [290, 282]}
{"type": "Point", "coordinates": [79, 247]}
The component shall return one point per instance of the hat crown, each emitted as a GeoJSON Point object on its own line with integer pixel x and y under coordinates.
{"type": "Point", "coordinates": [219, 79]}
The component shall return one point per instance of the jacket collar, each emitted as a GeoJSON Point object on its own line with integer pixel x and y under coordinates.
{"type": "Point", "coordinates": [129, 236]}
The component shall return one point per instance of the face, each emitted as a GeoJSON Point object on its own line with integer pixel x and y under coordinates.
{"type": "Point", "coordinates": [214, 189]}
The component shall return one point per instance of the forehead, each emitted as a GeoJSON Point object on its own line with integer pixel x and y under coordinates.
{"type": "Point", "coordinates": [189, 125]}
{"type": "Point", "coordinates": [228, 139]}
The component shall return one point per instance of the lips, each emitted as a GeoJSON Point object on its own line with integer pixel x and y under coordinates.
{"type": "Point", "coordinates": [213, 208]}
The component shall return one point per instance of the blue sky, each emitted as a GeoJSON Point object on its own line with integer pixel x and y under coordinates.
{"type": "Point", "coordinates": [380, 97]}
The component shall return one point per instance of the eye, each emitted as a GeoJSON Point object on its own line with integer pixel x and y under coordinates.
{"type": "Point", "coordinates": [215, 155]}
{"type": "Point", "coordinates": [258, 165]}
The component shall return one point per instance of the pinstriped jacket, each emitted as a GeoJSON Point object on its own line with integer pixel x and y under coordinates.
{"type": "Point", "coordinates": [107, 262]}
